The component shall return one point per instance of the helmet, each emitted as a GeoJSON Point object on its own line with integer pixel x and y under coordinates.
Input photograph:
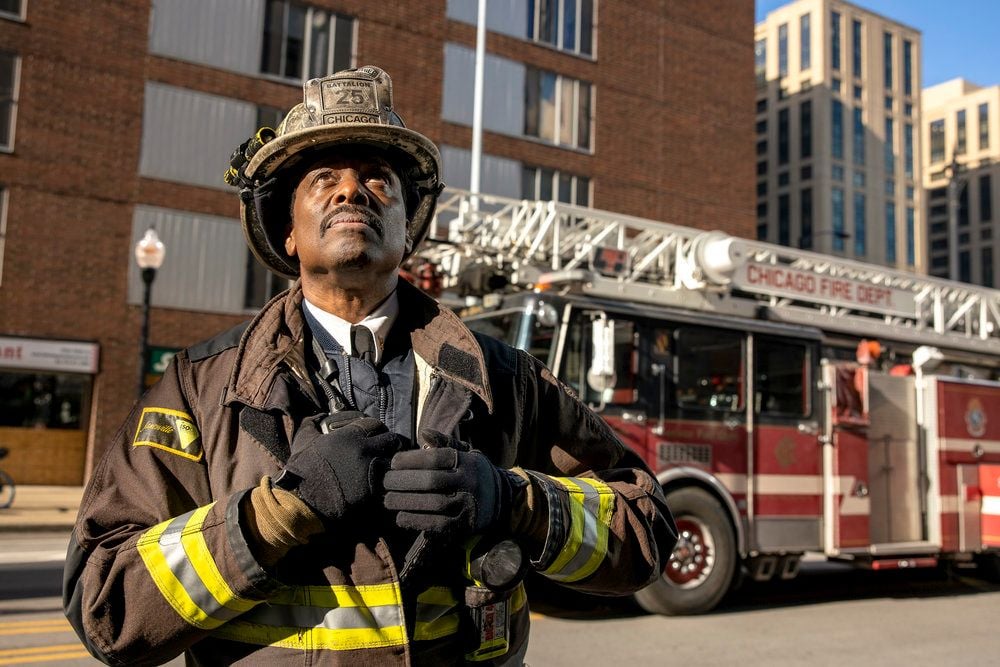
{"type": "Point", "coordinates": [349, 108]}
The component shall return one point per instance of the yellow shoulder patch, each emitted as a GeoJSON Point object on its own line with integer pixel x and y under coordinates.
{"type": "Point", "coordinates": [170, 430]}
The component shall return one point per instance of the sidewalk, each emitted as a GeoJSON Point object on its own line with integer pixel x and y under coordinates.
{"type": "Point", "coordinates": [41, 508]}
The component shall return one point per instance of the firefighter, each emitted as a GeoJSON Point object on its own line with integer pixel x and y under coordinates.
{"type": "Point", "coordinates": [352, 477]}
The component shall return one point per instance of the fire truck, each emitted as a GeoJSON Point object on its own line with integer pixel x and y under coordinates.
{"type": "Point", "coordinates": [789, 402]}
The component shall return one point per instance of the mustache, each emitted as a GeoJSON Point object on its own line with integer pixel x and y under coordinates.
{"type": "Point", "coordinates": [351, 212]}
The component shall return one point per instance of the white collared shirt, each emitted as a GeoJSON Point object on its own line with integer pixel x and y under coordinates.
{"type": "Point", "coordinates": [379, 322]}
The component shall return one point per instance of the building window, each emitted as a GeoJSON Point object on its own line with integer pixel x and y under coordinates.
{"type": "Point", "coordinates": [783, 49]}
{"type": "Point", "coordinates": [964, 267]}
{"type": "Point", "coordinates": [908, 110]}
{"type": "Point", "coordinates": [890, 187]}
{"type": "Point", "coordinates": [805, 129]}
{"type": "Point", "coordinates": [783, 179]}
{"type": "Point", "coordinates": [835, 85]}
{"type": "Point", "coordinates": [960, 132]}
{"type": "Point", "coordinates": [835, 41]}
{"type": "Point", "coordinates": [937, 140]}
{"type": "Point", "coordinates": [837, 201]}
{"type": "Point", "coordinates": [890, 153]}
{"type": "Point", "coordinates": [859, 225]}
{"type": "Point", "coordinates": [984, 126]}
{"type": "Point", "coordinates": [303, 42]}
{"type": "Point", "coordinates": [908, 150]}
{"type": "Point", "coordinates": [985, 198]}
{"type": "Point", "coordinates": [762, 105]}
{"type": "Point", "coordinates": [890, 233]}
{"type": "Point", "coordinates": [987, 268]}
{"type": "Point", "coordinates": [837, 173]}
{"type": "Point", "coordinates": [909, 192]}
{"type": "Point", "coordinates": [12, 9]}
{"type": "Point", "coordinates": [762, 209]}
{"type": "Point", "coordinates": [762, 147]}
{"type": "Point", "coordinates": [837, 130]}
{"type": "Point", "coordinates": [807, 172]}
{"type": "Point", "coordinates": [888, 104]}
{"type": "Point", "coordinates": [806, 213]}
{"type": "Point", "coordinates": [760, 66]}
{"type": "Point", "coordinates": [887, 58]}
{"type": "Point", "coordinates": [857, 93]}
{"type": "Point", "coordinates": [9, 70]}
{"type": "Point", "coordinates": [907, 69]}
{"type": "Point", "coordinates": [784, 220]}
{"type": "Point", "coordinates": [805, 43]}
{"type": "Point", "coordinates": [762, 126]}
{"type": "Point", "coordinates": [859, 137]}
{"type": "Point", "coordinates": [986, 233]}
{"type": "Point", "coordinates": [761, 231]}
{"type": "Point", "coordinates": [783, 150]}
{"type": "Point", "coordinates": [761, 189]}
{"type": "Point", "coordinates": [762, 168]}
{"type": "Point", "coordinates": [261, 284]}
{"type": "Point", "coordinates": [963, 205]}
{"type": "Point", "coordinates": [545, 184]}
{"type": "Point", "coordinates": [565, 24]}
{"type": "Point", "coordinates": [940, 228]}
{"type": "Point", "coordinates": [910, 242]}
{"type": "Point", "coordinates": [557, 108]}
{"type": "Point", "coordinates": [859, 179]}
{"type": "Point", "coordinates": [856, 48]}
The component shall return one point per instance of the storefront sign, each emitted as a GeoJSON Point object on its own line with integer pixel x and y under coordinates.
{"type": "Point", "coordinates": [784, 281]}
{"type": "Point", "coordinates": [48, 355]}
{"type": "Point", "coordinates": [159, 359]}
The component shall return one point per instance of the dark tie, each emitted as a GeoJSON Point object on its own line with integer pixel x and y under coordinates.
{"type": "Point", "coordinates": [363, 343]}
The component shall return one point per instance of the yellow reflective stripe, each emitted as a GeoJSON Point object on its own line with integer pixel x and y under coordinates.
{"type": "Point", "coordinates": [196, 549]}
{"type": "Point", "coordinates": [336, 639]}
{"type": "Point", "coordinates": [324, 617]}
{"type": "Point", "coordinates": [437, 614]}
{"type": "Point", "coordinates": [590, 518]}
{"type": "Point", "coordinates": [606, 500]}
{"type": "Point", "coordinates": [439, 627]}
{"type": "Point", "coordinates": [490, 649]}
{"type": "Point", "coordinates": [374, 595]}
{"type": "Point", "coordinates": [438, 595]}
{"type": "Point", "coordinates": [518, 599]}
{"type": "Point", "coordinates": [168, 584]}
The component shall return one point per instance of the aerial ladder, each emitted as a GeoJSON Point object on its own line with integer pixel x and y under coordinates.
{"type": "Point", "coordinates": [610, 255]}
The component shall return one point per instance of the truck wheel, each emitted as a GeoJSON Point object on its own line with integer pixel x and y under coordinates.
{"type": "Point", "coordinates": [701, 569]}
{"type": "Point", "coordinates": [988, 567]}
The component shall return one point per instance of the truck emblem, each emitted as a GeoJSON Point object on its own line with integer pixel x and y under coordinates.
{"type": "Point", "coordinates": [784, 452]}
{"type": "Point", "coordinates": [975, 418]}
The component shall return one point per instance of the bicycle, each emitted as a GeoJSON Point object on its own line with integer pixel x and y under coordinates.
{"type": "Point", "coordinates": [6, 484]}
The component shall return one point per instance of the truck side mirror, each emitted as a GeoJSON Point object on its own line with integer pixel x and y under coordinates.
{"type": "Point", "coordinates": [601, 375]}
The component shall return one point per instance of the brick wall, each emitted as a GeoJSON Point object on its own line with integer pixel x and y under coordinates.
{"type": "Point", "coordinates": [673, 141]}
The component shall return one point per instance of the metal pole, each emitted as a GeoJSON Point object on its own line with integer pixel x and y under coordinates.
{"type": "Point", "coordinates": [477, 103]}
{"type": "Point", "coordinates": [148, 275]}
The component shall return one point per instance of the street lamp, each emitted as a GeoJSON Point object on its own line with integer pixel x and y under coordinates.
{"type": "Point", "coordinates": [149, 253]}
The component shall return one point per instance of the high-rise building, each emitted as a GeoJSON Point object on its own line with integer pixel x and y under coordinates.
{"type": "Point", "coordinates": [838, 142]}
{"type": "Point", "coordinates": [118, 116]}
{"type": "Point", "coordinates": [961, 158]}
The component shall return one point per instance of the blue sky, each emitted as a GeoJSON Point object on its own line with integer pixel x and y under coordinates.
{"type": "Point", "coordinates": [961, 38]}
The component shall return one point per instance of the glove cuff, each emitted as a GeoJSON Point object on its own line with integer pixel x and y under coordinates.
{"type": "Point", "coordinates": [278, 520]}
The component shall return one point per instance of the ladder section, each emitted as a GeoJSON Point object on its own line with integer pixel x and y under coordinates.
{"type": "Point", "coordinates": [545, 241]}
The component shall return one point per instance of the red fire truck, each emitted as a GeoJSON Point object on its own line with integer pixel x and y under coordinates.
{"type": "Point", "coordinates": [788, 402]}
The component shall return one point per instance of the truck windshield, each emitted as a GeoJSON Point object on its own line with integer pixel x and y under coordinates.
{"type": "Point", "coordinates": [519, 328]}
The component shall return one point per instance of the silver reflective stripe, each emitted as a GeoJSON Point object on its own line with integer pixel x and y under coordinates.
{"type": "Point", "coordinates": [431, 612]}
{"type": "Point", "coordinates": [591, 507]}
{"type": "Point", "coordinates": [177, 560]}
{"type": "Point", "coordinates": [339, 618]}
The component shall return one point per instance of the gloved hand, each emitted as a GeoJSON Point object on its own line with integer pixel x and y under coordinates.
{"type": "Point", "coordinates": [339, 473]}
{"type": "Point", "coordinates": [447, 489]}
{"type": "Point", "coordinates": [236, 174]}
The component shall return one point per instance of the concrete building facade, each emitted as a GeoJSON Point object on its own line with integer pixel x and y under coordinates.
{"type": "Point", "coordinates": [838, 141]}
{"type": "Point", "coordinates": [124, 118]}
{"type": "Point", "coordinates": [961, 157]}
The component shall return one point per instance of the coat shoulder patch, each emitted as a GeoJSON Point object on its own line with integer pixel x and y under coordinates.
{"type": "Point", "coordinates": [172, 431]}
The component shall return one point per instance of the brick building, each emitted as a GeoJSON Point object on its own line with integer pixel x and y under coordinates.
{"type": "Point", "coordinates": [120, 115]}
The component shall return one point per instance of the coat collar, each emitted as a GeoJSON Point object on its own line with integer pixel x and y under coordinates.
{"type": "Point", "coordinates": [275, 335]}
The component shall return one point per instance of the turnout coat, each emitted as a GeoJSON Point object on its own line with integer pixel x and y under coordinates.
{"type": "Point", "coordinates": [159, 562]}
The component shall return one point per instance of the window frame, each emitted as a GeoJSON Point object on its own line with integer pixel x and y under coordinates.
{"type": "Point", "coordinates": [13, 102]}
{"type": "Point", "coordinates": [575, 179]}
{"type": "Point", "coordinates": [809, 353]}
{"type": "Point", "coordinates": [536, 74]}
{"type": "Point", "coordinates": [534, 8]}
{"type": "Point", "coordinates": [21, 16]}
{"type": "Point", "coordinates": [332, 17]}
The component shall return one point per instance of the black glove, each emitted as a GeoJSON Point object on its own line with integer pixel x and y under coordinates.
{"type": "Point", "coordinates": [337, 463]}
{"type": "Point", "coordinates": [446, 489]}
{"type": "Point", "coordinates": [238, 161]}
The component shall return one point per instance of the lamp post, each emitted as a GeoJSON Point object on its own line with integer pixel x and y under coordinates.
{"type": "Point", "coordinates": [149, 254]}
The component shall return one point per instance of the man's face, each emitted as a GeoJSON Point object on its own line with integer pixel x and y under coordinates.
{"type": "Point", "coordinates": [349, 215]}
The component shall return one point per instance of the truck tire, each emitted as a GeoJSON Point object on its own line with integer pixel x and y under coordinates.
{"type": "Point", "coordinates": [701, 569]}
{"type": "Point", "coordinates": [988, 567]}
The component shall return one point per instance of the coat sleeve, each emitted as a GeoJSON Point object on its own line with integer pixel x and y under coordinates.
{"type": "Point", "coordinates": [155, 562]}
{"type": "Point", "coordinates": [609, 530]}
